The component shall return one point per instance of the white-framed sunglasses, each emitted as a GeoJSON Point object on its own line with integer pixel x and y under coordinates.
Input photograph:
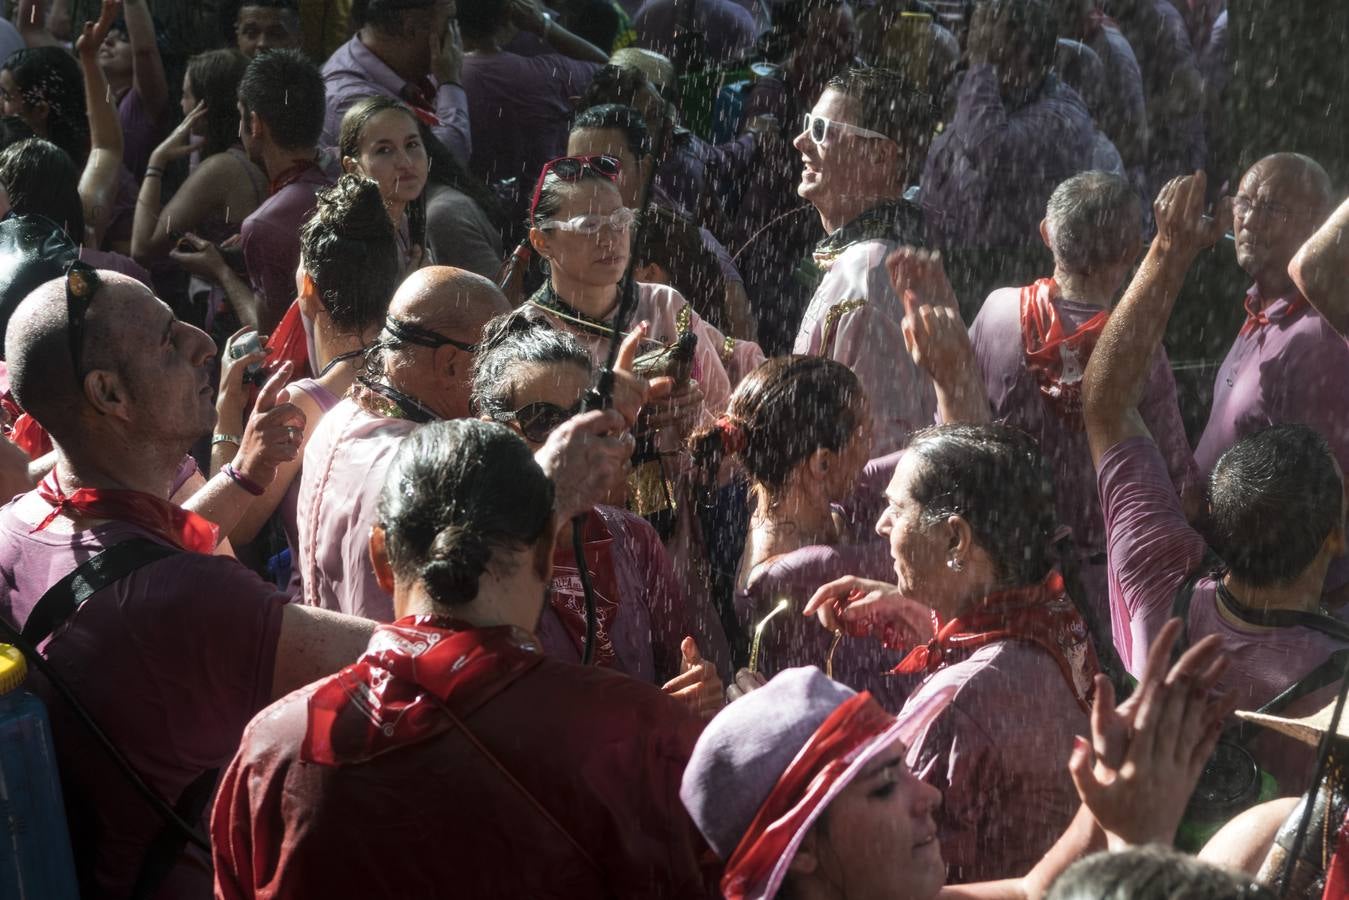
{"type": "Point", "coordinates": [818, 127]}
{"type": "Point", "coordinates": [620, 219]}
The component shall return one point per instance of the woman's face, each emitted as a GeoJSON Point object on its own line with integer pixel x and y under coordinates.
{"type": "Point", "coordinates": [853, 456]}
{"type": "Point", "coordinates": [189, 101]}
{"type": "Point", "coordinates": [920, 551]}
{"type": "Point", "coordinates": [391, 152]}
{"type": "Point", "coordinates": [557, 384]}
{"type": "Point", "coordinates": [878, 838]}
{"type": "Point", "coordinates": [594, 260]}
{"type": "Point", "coordinates": [115, 56]}
{"type": "Point", "coordinates": [11, 101]}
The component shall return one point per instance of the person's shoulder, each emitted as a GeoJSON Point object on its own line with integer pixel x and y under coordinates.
{"type": "Point", "coordinates": [1001, 309]}
{"type": "Point", "coordinates": [275, 734]}
{"type": "Point", "coordinates": [614, 706]}
{"type": "Point", "coordinates": [342, 64]}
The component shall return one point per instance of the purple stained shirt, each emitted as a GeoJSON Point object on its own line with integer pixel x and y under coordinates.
{"type": "Point", "coordinates": [141, 132]}
{"type": "Point", "coordinates": [343, 475]}
{"type": "Point", "coordinates": [271, 239]}
{"type": "Point", "coordinates": [520, 108]}
{"type": "Point", "coordinates": [172, 661]}
{"type": "Point", "coordinates": [1014, 397]}
{"type": "Point", "coordinates": [1292, 371]}
{"type": "Point", "coordinates": [353, 72]}
{"type": "Point", "coordinates": [1153, 551]}
{"type": "Point", "coordinates": [999, 752]}
{"type": "Point", "coordinates": [728, 28]}
{"type": "Point", "coordinates": [989, 175]}
{"type": "Point", "coordinates": [697, 171]}
{"type": "Point", "coordinates": [325, 400]}
{"type": "Point", "coordinates": [791, 639]}
{"type": "Point", "coordinates": [1122, 114]}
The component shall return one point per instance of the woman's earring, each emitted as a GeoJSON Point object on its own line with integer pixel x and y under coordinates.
{"type": "Point", "coordinates": [954, 564]}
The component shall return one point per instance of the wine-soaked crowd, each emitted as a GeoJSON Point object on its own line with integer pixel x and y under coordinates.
{"type": "Point", "coordinates": [681, 448]}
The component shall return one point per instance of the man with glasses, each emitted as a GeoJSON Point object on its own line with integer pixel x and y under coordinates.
{"type": "Point", "coordinates": [1287, 364]}
{"type": "Point", "coordinates": [860, 146]}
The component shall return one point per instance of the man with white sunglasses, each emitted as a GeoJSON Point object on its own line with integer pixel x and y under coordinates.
{"type": "Point", "coordinates": [860, 146]}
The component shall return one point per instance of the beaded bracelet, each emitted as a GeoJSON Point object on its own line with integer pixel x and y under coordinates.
{"type": "Point", "coordinates": [242, 481]}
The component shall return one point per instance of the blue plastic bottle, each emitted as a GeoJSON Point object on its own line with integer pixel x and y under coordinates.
{"type": "Point", "coordinates": [35, 858]}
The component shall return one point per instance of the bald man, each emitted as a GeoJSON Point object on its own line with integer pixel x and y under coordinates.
{"type": "Point", "coordinates": [1287, 365]}
{"type": "Point", "coordinates": [173, 659]}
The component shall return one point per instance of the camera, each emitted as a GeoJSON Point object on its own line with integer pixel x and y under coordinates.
{"type": "Point", "coordinates": [246, 344]}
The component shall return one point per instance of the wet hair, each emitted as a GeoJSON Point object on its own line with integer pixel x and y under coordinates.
{"type": "Point", "coordinates": [553, 194]}
{"type": "Point", "coordinates": [51, 75]}
{"type": "Point", "coordinates": [616, 117]}
{"type": "Point", "coordinates": [1274, 498]}
{"type": "Point", "coordinates": [889, 103]}
{"type": "Point", "coordinates": [458, 492]}
{"type": "Point", "coordinates": [1092, 219]}
{"type": "Point", "coordinates": [349, 249]}
{"type": "Point", "coordinates": [994, 478]}
{"type": "Point", "coordinates": [479, 19]}
{"type": "Point", "coordinates": [622, 85]}
{"type": "Point", "coordinates": [513, 340]}
{"type": "Point", "coordinates": [1034, 25]}
{"type": "Point", "coordinates": [214, 77]}
{"type": "Point", "coordinates": [782, 412]}
{"type": "Point", "coordinates": [1152, 873]}
{"type": "Point", "coordinates": [285, 90]}
{"type": "Point", "coordinates": [41, 179]}
{"type": "Point", "coordinates": [676, 245]}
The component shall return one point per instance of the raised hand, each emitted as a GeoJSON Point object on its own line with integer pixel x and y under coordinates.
{"type": "Point", "coordinates": [698, 683]}
{"type": "Point", "coordinates": [179, 142]}
{"type": "Point", "coordinates": [631, 391]}
{"type": "Point", "coordinates": [93, 34]}
{"type": "Point", "coordinates": [860, 607]}
{"type": "Point", "coordinates": [1179, 209]}
{"type": "Point", "coordinates": [585, 457]}
{"type": "Point", "coordinates": [447, 53]}
{"type": "Point", "coordinates": [1137, 773]}
{"type": "Point", "coordinates": [274, 433]}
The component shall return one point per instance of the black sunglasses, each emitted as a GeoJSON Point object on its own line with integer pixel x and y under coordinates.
{"type": "Point", "coordinates": [411, 333]}
{"type": "Point", "coordinates": [82, 282]}
{"type": "Point", "coordinates": [538, 420]}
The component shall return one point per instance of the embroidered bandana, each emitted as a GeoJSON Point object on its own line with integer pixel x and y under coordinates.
{"type": "Point", "coordinates": [1054, 356]}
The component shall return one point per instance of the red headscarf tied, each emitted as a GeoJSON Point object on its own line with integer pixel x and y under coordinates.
{"type": "Point", "coordinates": [159, 517]}
{"type": "Point", "coordinates": [733, 437]}
{"type": "Point", "coordinates": [824, 767]}
{"type": "Point", "coordinates": [1056, 357]}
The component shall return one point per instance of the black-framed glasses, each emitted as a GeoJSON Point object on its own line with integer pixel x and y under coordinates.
{"type": "Point", "coordinates": [82, 282]}
{"type": "Point", "coordinates": [411, 333]}
{"type": "Point", "coordinates": [539, 419]}
{"type": "Point", "coordinates": [571, 168]}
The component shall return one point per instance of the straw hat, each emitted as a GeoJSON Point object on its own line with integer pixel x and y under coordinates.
{"type": "Point", "coordinates": [1308, 729]}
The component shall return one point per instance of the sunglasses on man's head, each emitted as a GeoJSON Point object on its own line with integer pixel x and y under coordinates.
{"type": "Point", "coordinates": [573, 168]}
{"type": "Point", "coordinates": [82, 282]}
{"type": "Point", "coordinates": [539, 419]}
{"type": "Point", "coordinates": [819, 129]}
{"type": "Point", "coordinates": [401, 332]}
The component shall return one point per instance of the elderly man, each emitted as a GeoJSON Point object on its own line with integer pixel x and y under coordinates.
{"type": "Point", "coordinates": [862, 141]}
{"type": "Point", "coordinates": [1018, 131]}
{"type": "Point", "coordinates": [1287, 364]}
{"type": "Point", "coordinates": [1275, 517]}
{"type": "Point", "coordinates": [177, 649]}
{"type": "Point", "coordinates": [1033, 344]}
{"type": "Point", "coordinates": [405, 49]}
{"type": "Point", "coordinates": [421, 373]}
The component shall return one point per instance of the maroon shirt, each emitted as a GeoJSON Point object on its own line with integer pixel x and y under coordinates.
{"type": "Point", "coordinates": [271, 240]}
{"type": "Point", "coordinates": [601, 752]}
{"type": "Point", "coordinates": [171, 661]}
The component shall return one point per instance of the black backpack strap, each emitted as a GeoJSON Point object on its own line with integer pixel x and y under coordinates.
{"type": "Point", "coordinates": [1324, 675]}
{"type": "Point", "coordinates": [1180, 606]}
{"type": "Point", "coordinates": [67, 595]}
{"type": "Point", "coordinates": [168, 844]}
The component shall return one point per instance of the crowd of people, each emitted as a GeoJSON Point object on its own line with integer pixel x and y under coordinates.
{"type": "Point", "coordinates": [677, 448]}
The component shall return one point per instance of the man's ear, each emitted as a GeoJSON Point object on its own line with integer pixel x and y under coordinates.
{"type": "Point", "coordinates": [310, 303]}
{"type": "Point", "coordinates": [379, 558]}
{"type": "Point", "coordinates": [447, 361]}
{"type": "Point", "coordinates": [1044, 233]}
{"type": "Point", "coordinates": [104, 391]}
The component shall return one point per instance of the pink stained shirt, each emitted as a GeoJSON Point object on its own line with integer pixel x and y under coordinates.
{"type": "Point", "coordinates": [1153, 551]}
{"type": "Point", "coordinates": [1291, 371]}
{"type": "Point", "coordinates": [1014, 397]}
{"type": "Point", "coordinates": [172, 661]}
{"type": "Point", "coordinates": [868, 339]}
{"type": "Point", "coordinates": [344, 466]}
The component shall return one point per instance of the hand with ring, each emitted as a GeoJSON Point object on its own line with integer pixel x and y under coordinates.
{"type": "Point", "coordinates": [274, 434]}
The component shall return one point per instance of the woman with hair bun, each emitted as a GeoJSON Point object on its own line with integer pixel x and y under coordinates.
{"type": "Point", "coordinates": [484, 767]}
{"type": "Point", "coordinates": [531, 377]}
{"type": "Point", "coordinates": [348, 273]}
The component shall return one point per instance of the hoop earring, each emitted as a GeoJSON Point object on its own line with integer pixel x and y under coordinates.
{"type": "Point", "coordinates": [954, 564]}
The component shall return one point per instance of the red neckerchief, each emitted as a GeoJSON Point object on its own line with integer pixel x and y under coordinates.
{"type": "Point", "coordinates": [1257, 318]}
{"type": "Point", "coordinates": [1056, 358]}
{"type": "Point", "coordinates": [801, 791]}
{"type": "Point", "coordinates": [1038, 613]}
{"type": "Point", "coordinates": [419, 97]}
{"type": "Point", "coordinates": [159, 517]}
{"type": "Point", "coordinates": [291, 175]}
{"type": "Point", "coordinates": [1337, 879]}
{"type": "Point", "coordinates": [393, 695]}
{"type": "Point", "coordinates": [567, 598]}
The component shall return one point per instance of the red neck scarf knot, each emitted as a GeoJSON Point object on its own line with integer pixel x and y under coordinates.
{"type": "Point", "coordinates": [1055, 356]}
{"type": "Point", "coordinates": [161, 518]}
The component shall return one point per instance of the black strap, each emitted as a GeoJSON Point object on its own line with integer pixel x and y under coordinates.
{"type": "Point", "coordinates": [1324, 675]}
{"type": "Point", "coordinates": [113, 564]}
{"type": "Point", "coordinates": [1180, 606]}
{"type": "Point", "coordinates": [1283, 618]}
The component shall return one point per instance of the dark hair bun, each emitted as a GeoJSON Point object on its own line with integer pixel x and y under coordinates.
{"type": "Point", "coordinates": [455, 560]}
{"type": "Point", "coordinates": [353, 210]}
